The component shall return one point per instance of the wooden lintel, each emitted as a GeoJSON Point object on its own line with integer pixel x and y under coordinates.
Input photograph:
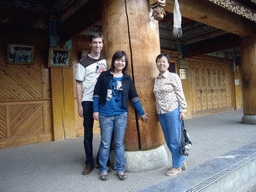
{"type": "Point", "coordinates": [219, 43]}
{"type": "Point", "coordinates": [213, 15]}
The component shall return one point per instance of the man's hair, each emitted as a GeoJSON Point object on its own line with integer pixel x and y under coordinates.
{"type": "Point", "coordinates": [119, 55]}
{"type": "Point", "coordinates": [96, 35]}
{"type": "Point", "coordinates": [163, 55]}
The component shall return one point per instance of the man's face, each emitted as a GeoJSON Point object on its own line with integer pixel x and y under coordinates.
{"type": "Point", "coordinates": [96, 45]}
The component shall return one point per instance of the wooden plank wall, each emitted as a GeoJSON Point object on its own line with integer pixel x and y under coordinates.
{"type": "Point", "coordinates": [25, 98]}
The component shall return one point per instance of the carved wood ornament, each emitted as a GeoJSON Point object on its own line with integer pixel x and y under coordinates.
{"type": "Point", "coordinates": [237, 8]}
{"type": "Point", "coordinates": [159, 13]}
{"type": "Point", "coordinates": [157, 7]}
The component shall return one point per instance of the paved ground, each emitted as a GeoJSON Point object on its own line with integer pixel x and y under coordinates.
{"type": "Point", "coordinates": [57, 166]}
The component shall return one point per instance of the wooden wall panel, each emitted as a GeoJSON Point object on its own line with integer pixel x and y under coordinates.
{"type": "Point", "coordinates": [25, 123]}
{"type": "Point", "coordinates": [26, 119]}
{"type": "Point", "coordinates": [25, 97]}
{"type": "Point", "coordinates": [47, 114]}
{"type": "Point", "coordinates": [3, 124]}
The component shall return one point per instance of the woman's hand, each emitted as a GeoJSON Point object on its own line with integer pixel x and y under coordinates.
{"type": "Point", "coordinates": [182, 115]}
{"type": "Point", "coordinates": [96, 115]}
{"type": "Point", "coordinates": [144, 117]}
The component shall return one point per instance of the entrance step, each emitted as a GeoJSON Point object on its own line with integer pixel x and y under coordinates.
{"type": "Point", "coordinates": [233, 171]}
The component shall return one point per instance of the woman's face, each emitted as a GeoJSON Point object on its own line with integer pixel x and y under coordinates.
{"type": "Point", "coordinates": [162, 64]}
{"type": "Point", "coordinates": [119, 64]}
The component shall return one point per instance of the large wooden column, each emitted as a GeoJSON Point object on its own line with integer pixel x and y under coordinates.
{"type": "Point", "coordinates": [128, 26]}
{"type": "Point", "coordinates": [248, 60]}
{"type": "Point", "coordinates": [62, 93]}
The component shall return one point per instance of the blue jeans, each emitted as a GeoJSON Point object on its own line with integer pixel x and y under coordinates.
{"type": "Point", "coordinates": [171, 126]}
{"type": "Point", "coordinates": [108, 125]}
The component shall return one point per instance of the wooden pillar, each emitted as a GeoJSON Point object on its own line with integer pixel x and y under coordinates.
{"type": "Point", "coordinates": [62, 89]}
{"type": "Point", "coordinates": [63, 106]}
{"type": "Point", "coordinates": [128, 26]}
{"type": "Point", "coordinates": [248, 61]}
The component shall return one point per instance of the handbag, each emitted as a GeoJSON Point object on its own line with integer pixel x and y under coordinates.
{"type": "Point", "coordinates": [185, 140]}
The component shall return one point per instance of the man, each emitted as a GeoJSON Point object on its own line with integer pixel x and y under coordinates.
{"type": "Point", "coordinates": [88, 70]}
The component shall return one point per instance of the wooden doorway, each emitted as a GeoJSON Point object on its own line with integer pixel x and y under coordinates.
{"type": "Point", "coordinates": [211, 86]}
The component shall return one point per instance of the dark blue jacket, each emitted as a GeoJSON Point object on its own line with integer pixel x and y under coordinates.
{"type": "Point", "coordinates": [129, 91]}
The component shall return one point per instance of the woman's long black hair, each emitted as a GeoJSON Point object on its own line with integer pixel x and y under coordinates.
{"type": "Point", "coordinates": [119, 55]}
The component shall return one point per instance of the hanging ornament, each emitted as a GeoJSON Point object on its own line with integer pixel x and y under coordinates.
{"type": "Point", "coordinates": [177, 30]}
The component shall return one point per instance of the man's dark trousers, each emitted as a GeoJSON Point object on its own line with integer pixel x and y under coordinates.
{"type": "Point", "coordinates": [88, 131]}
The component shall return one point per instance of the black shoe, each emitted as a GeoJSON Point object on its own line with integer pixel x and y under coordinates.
{"type": "Point", "coordinates": [104, 177]}
{"type": "Point", "coordinates": [122, 176]}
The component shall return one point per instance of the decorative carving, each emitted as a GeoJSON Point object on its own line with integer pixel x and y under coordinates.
{"type": "Point", "coordinates": [237, 8]}
{"type": "Point", "coordinates": [214, 77]}
{"type": "Point", "coordinates": [203, 77]}
{"type": "Point", "coordinates": [224, 78]}
{"type": "Point", "coordinates": [209, 77]}
{"type": "Point", "coordinates": [157, 7]}
{"type": "Point", "coordinates": [4, 17]}
{"type": "Point", "coordinates": [197, 76]}
{"type": "Point", "coordinates": [39, 23]}
{"type": "Point", "coordinates": [219, 77]}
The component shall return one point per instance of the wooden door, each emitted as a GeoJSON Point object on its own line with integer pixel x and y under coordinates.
{"type": "Point", "coordinates": [200, 82]}
{"type": "Point", "coordinates": [210, 86]}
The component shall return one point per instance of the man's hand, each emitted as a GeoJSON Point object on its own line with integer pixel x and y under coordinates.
{"type": "Point", "coordinates": [80, 110]}
{"type": "Point", "coordinates": [79, 98]}
{"type": "Point", "coordinates": [96, 115]}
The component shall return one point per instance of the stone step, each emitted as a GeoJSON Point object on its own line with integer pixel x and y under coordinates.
{"type": "Point", "coordinates": [234, 171]}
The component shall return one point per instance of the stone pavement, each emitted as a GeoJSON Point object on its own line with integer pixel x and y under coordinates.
{"type": "Point", "coordinates": [57, 166]}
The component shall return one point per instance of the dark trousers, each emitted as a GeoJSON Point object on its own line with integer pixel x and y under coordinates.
{"type": "Point", "coordinates": [88, 131]}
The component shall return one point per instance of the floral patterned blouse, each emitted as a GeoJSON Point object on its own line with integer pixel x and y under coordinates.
{"type": "Point", "coordinates": [169, 93]}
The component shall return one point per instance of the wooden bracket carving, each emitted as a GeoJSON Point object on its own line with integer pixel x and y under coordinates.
{"type": "Point", "coordinates": [157, 7]}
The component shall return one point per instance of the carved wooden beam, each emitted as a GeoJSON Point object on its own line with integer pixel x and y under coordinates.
{"type": "Point", "coordinates": [237, 8]}
{"type": "Point", "coordinates": [226, 41]}
{"type": "Point", "coordinates": [213, 15]}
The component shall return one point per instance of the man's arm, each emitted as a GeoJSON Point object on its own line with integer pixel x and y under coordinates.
{"type": "Point", "coordinates": [79, 98]}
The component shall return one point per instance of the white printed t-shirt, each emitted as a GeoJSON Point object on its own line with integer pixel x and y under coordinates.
{"type": "Point", "coordinates": [88, 71]}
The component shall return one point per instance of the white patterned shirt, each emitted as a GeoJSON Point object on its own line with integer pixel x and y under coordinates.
{"type": "Point", "coordinates": [169, 93]}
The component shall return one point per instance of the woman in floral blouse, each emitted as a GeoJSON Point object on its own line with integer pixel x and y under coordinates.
{"type": "Point", "coordinates": [170, 105]}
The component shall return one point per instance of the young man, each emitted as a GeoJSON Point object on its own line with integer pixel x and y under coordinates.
{"type": "Point", "coordinates": [88, 70]}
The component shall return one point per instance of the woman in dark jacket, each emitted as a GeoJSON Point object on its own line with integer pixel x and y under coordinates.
{"type": "Point", "coordinates": [111, 94]}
